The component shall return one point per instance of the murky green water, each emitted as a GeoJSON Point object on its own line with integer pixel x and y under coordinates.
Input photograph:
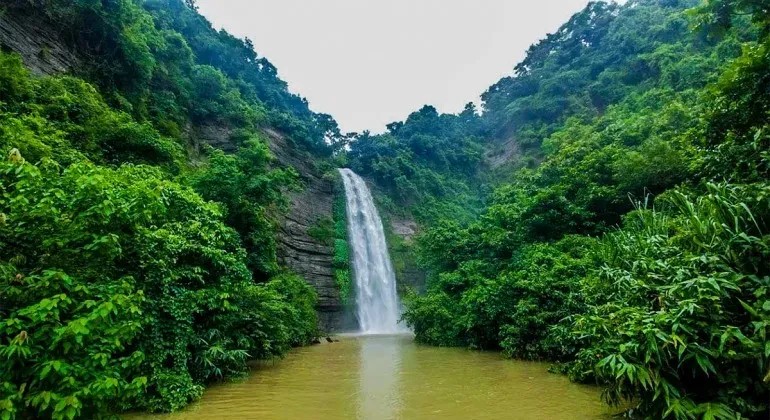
{"type": "Point", "coordinates": [373, 378]}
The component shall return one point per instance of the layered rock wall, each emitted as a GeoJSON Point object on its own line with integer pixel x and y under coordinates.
{"type": "Point", "coordinates": [39, 45]}
{"type": "Point", "coordinates": [299, 251]}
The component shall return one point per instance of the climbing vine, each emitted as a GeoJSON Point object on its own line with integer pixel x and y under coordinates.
{"type": "Point", "coordinates": [341, 261]}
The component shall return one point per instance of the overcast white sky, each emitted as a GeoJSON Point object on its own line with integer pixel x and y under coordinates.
{"type": "Point", "coordinates": [372, 62]}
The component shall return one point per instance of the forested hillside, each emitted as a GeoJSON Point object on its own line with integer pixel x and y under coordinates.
{"type": "Point", "coordinates": [138, 264]}
{"type": "Point", "coordinates": [626, 238]}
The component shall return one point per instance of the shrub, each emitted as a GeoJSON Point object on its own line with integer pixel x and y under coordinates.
{"type": "Point", "coordinates": [680, 311]}
{"type": "Point", "coordinates": [124, 289]}
{"type": "Point", "coordinates": [341, 262]}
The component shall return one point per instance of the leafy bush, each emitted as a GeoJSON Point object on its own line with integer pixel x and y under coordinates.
{"type": "Point", "coordinates": [130, 289]}
{"type": "Point", "coordinates": [679, 312]}
{"type": "Point", "coordinates": [514, 309]}
{"type": "Point", "coordinates": [65, 352]}
{"type": "Point", "coordinates": [66, 119]}
{"type": "Point", "coordinates": [341, 263]}
{"type": "Point", "coordinates": [251, 193]}
{"type": "Point", "coordinates": [323, 231]}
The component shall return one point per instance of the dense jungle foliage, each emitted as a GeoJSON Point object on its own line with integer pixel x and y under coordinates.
{"type": "Point", "coordinates": [428, 162]}
{"type": "Point", "coordinates": [162, 62]}
{"type": "Point", "coordinates": [627, 239]}
{"type": "Point", "coordinates": [136, 266]}
{"type": "Point", "coordinates": [625, 236]}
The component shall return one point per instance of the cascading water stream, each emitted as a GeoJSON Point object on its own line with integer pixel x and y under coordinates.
{"type": "Point", "coordinates": [376, 298]}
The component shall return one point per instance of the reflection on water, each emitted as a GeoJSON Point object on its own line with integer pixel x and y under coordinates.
{"type": "Point", "coordinates": [379, 370]}
{"type": "Point", "coordinates": [390, 377]}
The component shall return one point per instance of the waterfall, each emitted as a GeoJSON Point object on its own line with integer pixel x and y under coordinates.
{"type": "Point", "coordinates": [375, 282]}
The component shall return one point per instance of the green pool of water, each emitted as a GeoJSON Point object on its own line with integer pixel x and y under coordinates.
{"type": "Point", "coordinates": [391, 377]}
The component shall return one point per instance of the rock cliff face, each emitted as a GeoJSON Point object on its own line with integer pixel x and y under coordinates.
{"type": "Point", "coordinates": [298, 250]}
{"type": "Point", "coordinates": [408, 273]}
{"type": "Point", "coordinates": [45, 54]}
{"type": "Point", "coordinates": [500, 153]}
{"type": "Point", "coordinates": [36, 41]}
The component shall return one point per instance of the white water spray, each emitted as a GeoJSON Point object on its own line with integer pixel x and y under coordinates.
{"type": "Point", "coordinates": [376, 298]}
